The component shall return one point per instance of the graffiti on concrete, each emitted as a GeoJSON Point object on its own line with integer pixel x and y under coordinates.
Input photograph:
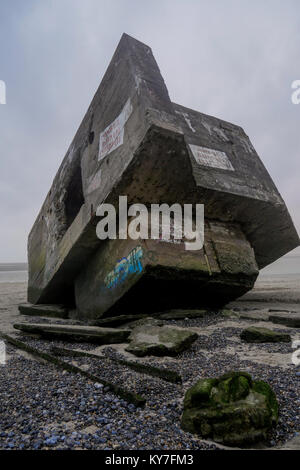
{"type": "Point", "coordinates": [124, 267]}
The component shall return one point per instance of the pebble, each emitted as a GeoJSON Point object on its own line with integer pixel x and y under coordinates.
{"type": "Point", "coordinates": [51, 408]}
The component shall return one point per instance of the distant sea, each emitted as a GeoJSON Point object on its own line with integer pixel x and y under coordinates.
{"type": "Point", "coordinates": [286, 267]}
{"type": "Point", "coordinates": [13, 272]}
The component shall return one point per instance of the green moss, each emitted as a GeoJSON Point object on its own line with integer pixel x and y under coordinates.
{"type": "Point", "coordinates": [221, 393]}
{"type": "Point", "coordinates": [255, 334]}
{"type": "Point", "coordinates": [229, 313]}
{"type": "Point", "coordinates": [199, 393]}
{"type": "Point", "coordinates": [241, 388]}
{"type": "Point", "coordinates": [233, 374]}
{"type": "Point", "coordinates": [38, 261]}
{"type": "Point", "coordinates": [264, 389]}
{"type": "Point", "coordinates": [232, 409]}
{"type": "Point", "coordinates": [232, 386]}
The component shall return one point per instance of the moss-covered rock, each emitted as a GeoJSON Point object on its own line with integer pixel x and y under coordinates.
{"type": "Point", "coordinates": [232, 409]}
{"type": "Point", "coordinates": [255, 334]}
{"type": "Point", "coordinates": [152, 340]}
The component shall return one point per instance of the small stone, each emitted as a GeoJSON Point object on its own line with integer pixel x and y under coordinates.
{"type": "Point", "coordinates": [255, 334]}
{"type": "Point", "coordinates": [98, 386]}
{"type": "Point", "coordinates": [149, 340]}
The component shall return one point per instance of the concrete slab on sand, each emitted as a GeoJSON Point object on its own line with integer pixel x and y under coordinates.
{"type": "Point", "coordinates": [92, 334]}
{"type": "Point", "coordinates": [291, 319]}
{"type": "Point", "coordinates": [249, 352]}
{"type": "Point", "coordinates": [12, 294]}
{"type": "Point", "coordinates": [255, 334]}
{"type": "Point", "coordinates": [54, 311]}
{"type": "Point", "coordinates": [272, 299]}
{"type": "Point", "coordinates": [152, 340]}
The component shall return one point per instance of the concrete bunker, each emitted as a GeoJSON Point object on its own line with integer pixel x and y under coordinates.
{"type": "Point", "coordinates": [144, 146]}
{"type": "Point", "coordinates": [74, 198]}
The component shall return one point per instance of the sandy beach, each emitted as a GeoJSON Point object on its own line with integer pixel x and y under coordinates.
{"type": "Point", "coordinates": [51, 408]}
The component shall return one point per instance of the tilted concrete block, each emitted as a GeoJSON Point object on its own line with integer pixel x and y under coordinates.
{"type": "Point", "coordinates": [134, 141]}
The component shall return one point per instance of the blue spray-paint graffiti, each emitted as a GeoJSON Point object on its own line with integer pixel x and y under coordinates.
{"type": "Point", "coordinates": [125, 266]}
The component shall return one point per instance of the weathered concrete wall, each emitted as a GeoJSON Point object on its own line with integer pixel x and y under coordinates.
{"type": "Point", "coordinates": [249, 195]}
{"type": "Point", "coordinates": [138, 276]}
{"type": "Point", "coordinates": [132, 74]}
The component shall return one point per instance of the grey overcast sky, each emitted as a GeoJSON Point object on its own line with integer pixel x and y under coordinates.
{"type": "Point", "coordinates": [235, 59]}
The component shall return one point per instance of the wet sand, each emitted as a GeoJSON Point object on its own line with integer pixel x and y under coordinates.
{"type": "Point", "coordinates": [275, 288]}
{"type": "Point", "coordinates": [11, 295]}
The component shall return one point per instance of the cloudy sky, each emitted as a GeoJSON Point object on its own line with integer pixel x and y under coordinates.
{"type": "Point", "coordinates": [235, 59]}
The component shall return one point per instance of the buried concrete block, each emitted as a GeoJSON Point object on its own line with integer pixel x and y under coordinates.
{"type": "Point", "coordinates": [255, 334]}
{"type": "Point", "coordinates": [163, 373]}
{"type": "Point", "coordinates": [89, 334]}
{"type": "Point", "coordinates": [117, 320]}
{"type": "Point", "coordinates": [54, 311]}
{"type": "Point", "coordinates": [147, 321]}
{"type": "Point", "coordinates": [182, 314]}
{"type": "Point", "coordinates": [148, 340]}
{"type": "Point", "coordinates": [134, 398]}
{"type": "Point", "coordinates": [291, 320]}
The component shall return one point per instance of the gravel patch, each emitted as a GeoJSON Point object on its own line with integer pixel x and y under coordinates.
{"type": "Point", "coordinates": [42, 407]}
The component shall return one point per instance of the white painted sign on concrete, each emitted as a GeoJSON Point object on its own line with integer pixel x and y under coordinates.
{"type": "Point", "coordinates": [211, 158]}
{"type": "Point", "coordinates": [112, 137]}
